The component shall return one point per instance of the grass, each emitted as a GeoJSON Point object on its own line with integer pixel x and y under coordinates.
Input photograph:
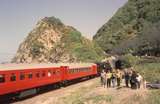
{"type": "Point", "coordinates": [98, 99]}
{"type": "Point", "coordinates": [77, 97]}
{"type": "Point", "coordinates": [135, 99]}
{"type": "Point", "coordinates": [85, 94]}
{"type": "Point", "coordinates": [95, 99]}
{"type": "Point", "coordinates": [154, 97]}
{"type": "Point", "coordinates": [148, 67]}
{"type": "Point", "coordinates": [150, 71]}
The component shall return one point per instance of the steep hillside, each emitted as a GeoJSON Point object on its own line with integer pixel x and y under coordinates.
{"type": "Point", "coordinates": [52, 41]}
{"type": "Point", "coordinates": [129, 22]}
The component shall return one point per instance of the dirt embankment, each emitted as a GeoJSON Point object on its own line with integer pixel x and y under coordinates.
{"type": "Point", "coordinates": [89, 92]}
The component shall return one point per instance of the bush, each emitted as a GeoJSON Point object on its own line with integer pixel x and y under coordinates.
{"type": "Point", "coordinates": [86, 53]}
{"type": "Point", "coordinates": [129, 60]}
{"type": "Point", "coordinates": [153, 97]}
{"type": "Point", "coordinates": [150, 71]}
{"type": "Point", "coordinates": [83, 49]}
{"type": "Point", "coordinates": [74, 36]}
{"type": "Point", "coordinates": [35, 49]}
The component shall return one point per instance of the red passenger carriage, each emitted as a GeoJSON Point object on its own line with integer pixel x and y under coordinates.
{"type": "Point", "coordinates": [25, 79]}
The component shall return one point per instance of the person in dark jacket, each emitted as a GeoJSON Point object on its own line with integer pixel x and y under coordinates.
{"type": "Point", "coordinates": [127, 76]}
{"type": "Point", "coordinates": [134, 82]}
{"type": "Point", "coordinates": [127, 79]}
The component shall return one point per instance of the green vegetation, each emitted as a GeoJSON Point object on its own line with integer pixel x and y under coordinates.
{"type": "Point", "coordinates": [100, 98]}
{"type": "Point", "coordinates": [153, 97]}
{"type": "Point", "coordinates": [53, 21]}
{"type": "Point", "coordinates": [131, 29]}
{"type": "Point", "coordinates": [74, 36]}
{"type": "Point", "coordinates": [82, 95]}
{"type": "Point", "coordinates": [136, 99]}
{"type": "Point", "coordinates": [83, 49]}
{"type": "Point", "coordinates": [134, 32]}
{"type": "Point", "coordinates": [86, 52]}
{"type": "Point", "coordinates": [68, 45]}
{"type": "Point", "coordinates": [35, 48]}
{"type": "Point", "coordinates": [150, 71]}
{"type": "Point", "coordinates": [129, 60]}
{"type": "Point", "coordinates": [78, 46]}
{"type": "Point", "coordinates": [149, 68]}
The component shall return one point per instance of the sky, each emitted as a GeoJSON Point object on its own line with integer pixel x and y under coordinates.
{"type": "Point", "coordinates": [18, 18]}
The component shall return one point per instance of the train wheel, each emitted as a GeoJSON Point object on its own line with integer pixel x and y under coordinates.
{"type": "Point", "coordinates": [64, 83]}
{"type": "Point", "coordinates": [57, 85]}
{"type": "Point", "coordinates": [38, 90]}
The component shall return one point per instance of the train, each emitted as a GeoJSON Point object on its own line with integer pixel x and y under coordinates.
{"type": "Point", "coordinates": [21, 80]}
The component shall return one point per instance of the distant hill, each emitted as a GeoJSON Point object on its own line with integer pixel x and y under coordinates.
{"type": "Point", "coordinates": [135, 20]}
{"type": "Point", "coordinates": [52, 41]}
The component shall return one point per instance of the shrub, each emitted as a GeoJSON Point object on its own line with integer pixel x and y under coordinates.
{"type": "Point", "coordinates": [150, 71]}
{"type": "Point", "coordinates": [153, 97]}
{"type": "Point", "coordinates": [129, 60]}
{"type": "Point", "coordinates": [74, 36]}
{"type": "Point", "coordinates": [35, 49]}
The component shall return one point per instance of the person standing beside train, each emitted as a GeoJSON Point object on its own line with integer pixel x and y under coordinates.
{"type": "Point", "coordinates": [103, 78]}
{"type": "Point", "coordinates": [108, 78]}
{"type": "Point", "coordinates": [127, 76]}
{"type": "Point", "coordinates": [119, 76]}
{"type": "Point", "coordinates": [134, 81]}
{"type": "Point", "coordinates": [113, 78]}
{"type": "Point", "coordinates": [139, 80]}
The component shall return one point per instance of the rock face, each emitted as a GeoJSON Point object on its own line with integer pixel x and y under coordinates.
{"type": "Point", "coordinates": [52, 41]}
{"type": "Point", "coordinates": [128, 22]}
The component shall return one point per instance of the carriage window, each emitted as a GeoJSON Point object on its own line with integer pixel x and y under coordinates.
{"type": "Point", "coordinates": [30, 75]}
{"type": "Point", "coordinates": [57, 72]}
{"type": "Point", "coordinates": [13, 77]}
{"type": "Point", "coordinates": [82, 70]}
{"type": "Point", "coordinates": [2, 78]}
{"type": "Point", "coordinates": [22, 76]}
{"type": "Point", "coordinates": [49, 73]}
{"type": "Point", "coordinates": [43, 74]}
{"type": "Point", "coordinates": [54, 72]}
{"type": "Point", "coordinates": [71, 71]}
{"type": "Point", "coordinates": [37, 75]}
{"type": "Point", "coordinates": [75, 70]}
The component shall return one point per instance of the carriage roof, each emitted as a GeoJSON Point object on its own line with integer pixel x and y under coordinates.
{"type": "Point", "coordinates": [4, 67]}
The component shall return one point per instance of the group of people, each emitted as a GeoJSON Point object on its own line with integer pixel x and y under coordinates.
{"type": "Point", "coordinates": [133, 79]}
{"type": "Point", "coordinates": [113, 78]}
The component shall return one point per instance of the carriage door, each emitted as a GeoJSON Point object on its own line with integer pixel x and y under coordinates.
{"type": "Point", "coordinates": [64, 72]}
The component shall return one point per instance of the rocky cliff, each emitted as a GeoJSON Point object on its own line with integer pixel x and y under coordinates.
{"type": "Point", "coordinates": [52, 41]}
